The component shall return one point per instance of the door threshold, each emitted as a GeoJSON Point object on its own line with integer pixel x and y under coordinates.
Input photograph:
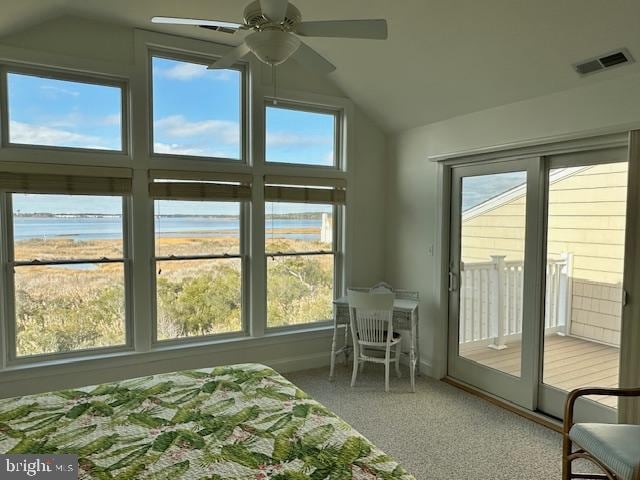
{"type": "Point", "coordinates": [551, 423]}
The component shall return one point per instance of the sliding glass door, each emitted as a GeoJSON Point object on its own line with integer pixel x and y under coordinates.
{"type": "Point", "coordinates": [491, 268]}
{"type": "Point", "coordinates": [535, 280]}
{"type": "Point", "coordinates": [585, 236]}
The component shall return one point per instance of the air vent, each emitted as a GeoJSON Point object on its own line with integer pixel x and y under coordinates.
{"type": "Point", "coordinates": [218, 29]}
{"type": "Point", "coordinates": [608, 60]}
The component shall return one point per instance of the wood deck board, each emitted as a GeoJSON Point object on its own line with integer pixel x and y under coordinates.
{"type": "Point", "coordinates": [569, 362]}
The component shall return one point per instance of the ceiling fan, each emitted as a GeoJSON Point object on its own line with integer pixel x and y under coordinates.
{"type": "Point", "coordinates": [276, 26]}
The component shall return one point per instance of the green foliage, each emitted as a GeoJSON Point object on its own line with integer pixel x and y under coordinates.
{"type": "Point", "coordinates": [62, 310]}
{"type": "Point", "coordinates": [205, 303]}
{"type": "Point", "coordinates": [68, 322]}
{"type": "Point", "coordinates": [299, 289]}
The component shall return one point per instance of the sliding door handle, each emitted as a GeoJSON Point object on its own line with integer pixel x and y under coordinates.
{"type": "Point", "coordinates": [453, 282]}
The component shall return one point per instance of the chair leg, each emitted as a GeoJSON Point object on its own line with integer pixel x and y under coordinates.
{"type": "Point", "coordinates": [356, 365]}
{"type": "Point", "coordinates": [566, 463]}
{"type": "Point", "coordinates": [398, 353]}
{"type": "Point", "coordinates": [387, 364]}
{"type": "Point", "coordinates": [346, 348]}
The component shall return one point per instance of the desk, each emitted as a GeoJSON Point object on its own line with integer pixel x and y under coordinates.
{"type": "Point", "coordinates": [405, 318]}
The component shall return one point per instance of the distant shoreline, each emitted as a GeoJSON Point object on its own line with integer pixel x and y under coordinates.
{"type": "Point", "coordinates": [292, 216]}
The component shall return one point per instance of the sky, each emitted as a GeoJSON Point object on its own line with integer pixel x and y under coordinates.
{"type": "Point", "coordinates": [479, 189]}
{"type": "Point", "coordinates": [196, 112]}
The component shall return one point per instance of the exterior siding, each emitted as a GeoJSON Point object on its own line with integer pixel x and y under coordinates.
{"type": "Point", "coordinates": [587, 214]}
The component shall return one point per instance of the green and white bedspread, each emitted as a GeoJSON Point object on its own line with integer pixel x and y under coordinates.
{"type": "Point", "coordinates": [233, 422]}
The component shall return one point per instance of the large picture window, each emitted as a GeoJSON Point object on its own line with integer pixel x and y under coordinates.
{"type": "Point", "coordinates": [300, 262]}
{"type": "Point", "coordinates": [59, 112]}
{"type": "Point", "coordinates": [196, 112]}
{"type": "Point", "coordinates": [68, 256]}
{"type": "Point", "coordinates": [199, 268]}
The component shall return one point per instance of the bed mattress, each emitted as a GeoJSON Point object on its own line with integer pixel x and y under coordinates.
{"type": "Point", "coordinates": [232, 422]}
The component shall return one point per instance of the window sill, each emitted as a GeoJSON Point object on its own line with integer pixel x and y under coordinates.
{"type": "Point", "coordinates": [159, 353]}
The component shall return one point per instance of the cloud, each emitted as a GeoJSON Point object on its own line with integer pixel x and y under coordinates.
{"type": "Point", "coordinates": [54, 92]}
{"type": "Point", "coordinates": [188, 71]}
{"type": "Point", "coordinates": [284, 139]}
{"type": "Point", "coordinates": [221, 131]}
{"type": "Point", "coordinates": [40, 135]}
{"type": "Point", "coordinates": [113, 119]}
{"type": "Point", "coordinates": [329, 158]}
{"type": "Point", "coordinates": [177, 149]}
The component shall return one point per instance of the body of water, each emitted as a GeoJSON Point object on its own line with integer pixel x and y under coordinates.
{"type": "Point", "coordinates": [105, 228]}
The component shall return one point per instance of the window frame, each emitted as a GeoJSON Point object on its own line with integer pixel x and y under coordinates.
{"type": "Point", "coordinates": [338, 268]}
{"type": "Point", "coordinates": [202, 59]}
{"type": "Point", "coordinates": [8, 283]}
{"type": "Point", "coordinates": [137, 157]}
{"type": "Point", "coordinates": [338, 141]}
{"type": "Point", "coordinates": [7, 68]}
{"type": "Point", "coordinates": [244, 281]}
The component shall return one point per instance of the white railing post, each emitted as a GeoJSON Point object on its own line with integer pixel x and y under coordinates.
{"type": "Point", "coordinates": [498, 312]}
{"type": "Point", "coordinates": [565, 294]}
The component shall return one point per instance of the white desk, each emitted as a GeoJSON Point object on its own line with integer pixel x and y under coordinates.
{"type": "Point", "coordinates": [405, 317]}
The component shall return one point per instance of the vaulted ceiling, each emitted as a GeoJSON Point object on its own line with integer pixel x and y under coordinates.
{"type": "Point", "coordinates": [443, 57]}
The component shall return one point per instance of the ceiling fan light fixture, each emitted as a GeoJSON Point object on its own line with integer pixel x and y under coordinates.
{"type": "Point", "coordinates": [272, 47]}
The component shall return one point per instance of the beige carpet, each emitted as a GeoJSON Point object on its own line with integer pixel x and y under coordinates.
{"type": "Point", "coordinates": [439, 432]}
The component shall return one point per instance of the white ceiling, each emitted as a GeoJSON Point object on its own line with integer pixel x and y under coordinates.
{"type": "Point", "coordinates": [443, 57]}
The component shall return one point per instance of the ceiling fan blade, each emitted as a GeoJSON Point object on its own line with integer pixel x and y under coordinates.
{"type": "Point", "coordinates": [274, 10]}
{"type": "Point", "coordinates": [230, 58]}
{"type": "Point", "coordinates": [312, 60]}
{"type": "Point", "coordinates": [196, 22]}
{"type": "Point", "coordinates": [371, 29]}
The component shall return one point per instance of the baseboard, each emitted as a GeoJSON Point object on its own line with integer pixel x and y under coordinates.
{"type": "Point", "coordinates": [301, 362]}
{"type": "Point", "coordinates": [537, 417]}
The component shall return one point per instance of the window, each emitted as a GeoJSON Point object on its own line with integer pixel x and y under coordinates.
{"type": "Point", "coordinates": [301, 136]}
{"type": "Point", "coordinates": [56, 112]}
{"type": "Point", "coordinates": [301, 262]}
{"type": "Point", "coordinates": [196, 112]}
{"type": "Point", "coordinates": [198, 261]}
{"type": "Point", "coordinates": [69, 261]}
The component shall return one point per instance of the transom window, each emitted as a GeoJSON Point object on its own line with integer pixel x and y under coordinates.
{"type": "Point", "coordinates": [300, 136]}
{"type": "Point", "coordinates": [60, 112]}
{"type": "Point", "coordinates": [196, 112]}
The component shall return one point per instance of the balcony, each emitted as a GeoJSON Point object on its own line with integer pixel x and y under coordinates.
{"type": "Point", "coordinates": [581, 330]}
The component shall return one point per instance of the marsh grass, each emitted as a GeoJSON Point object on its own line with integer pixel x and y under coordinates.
{"type": "Point", "coordinates": [61, 309]}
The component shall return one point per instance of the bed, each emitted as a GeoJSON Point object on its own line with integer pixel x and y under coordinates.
{"type": "Point", "coordinates": [233, 422]}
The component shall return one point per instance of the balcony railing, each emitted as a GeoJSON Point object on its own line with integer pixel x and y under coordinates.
{"type": "Point", "coordinates": [491, 299]}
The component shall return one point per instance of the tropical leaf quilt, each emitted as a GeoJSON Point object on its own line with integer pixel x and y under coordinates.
{"type": "Point", "coordinates": [232, 422]}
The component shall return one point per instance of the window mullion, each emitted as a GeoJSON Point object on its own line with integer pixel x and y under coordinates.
{"type": "Point", "coordinates": [9, 283]}
{"type": "Point", "coordinates": [4, 273]}
{"type": "Point", "coordinates": [142, 254]}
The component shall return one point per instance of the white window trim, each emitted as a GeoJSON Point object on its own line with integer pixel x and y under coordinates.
{"type": "Point", "coordinates": [242, 67]}
{"type": "Point", "coordinates": [10, 319]}
{"type": "Point", "coordinates": [140, 160]}
{"type": "Point", "coordinates": [245, 275]}
{"type": "Point", "coordinates": [338, 269]}
{"type": "Point", "coordinates": [338, 133]}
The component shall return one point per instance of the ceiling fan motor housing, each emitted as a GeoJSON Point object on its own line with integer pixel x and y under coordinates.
{"type": "Point", "coordinates": [254, 18]}
{"type": "Point", "coordinates": [272, 47]}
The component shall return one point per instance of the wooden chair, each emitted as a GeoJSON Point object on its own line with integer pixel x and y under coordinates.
{"type": "Point", "coordinates": [614, 448]}
{"type": "Point", "coordinates": [371, 316]}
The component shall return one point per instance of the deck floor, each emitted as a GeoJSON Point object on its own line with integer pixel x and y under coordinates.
{"type": "Point", "coordinates": [569, 363]}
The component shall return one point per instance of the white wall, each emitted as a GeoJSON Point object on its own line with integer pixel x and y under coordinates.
{"type": "Point", "coordinates": [411, 211]}
{"type": "Point", "coordinates": [73, 37]}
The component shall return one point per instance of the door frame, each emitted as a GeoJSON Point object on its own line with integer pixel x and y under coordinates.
{"type": "Point", "coordinates": [550, 399]}
{"type": "Point", "coordinates": [519, 390]}
{"type": "Point", "coordinates": [573, 143]}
